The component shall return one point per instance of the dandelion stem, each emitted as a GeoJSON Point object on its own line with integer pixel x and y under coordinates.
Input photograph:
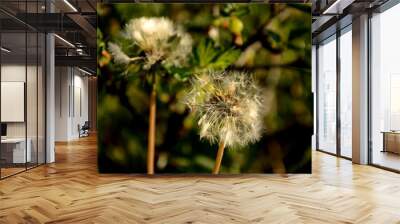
{"type": "Point", "coordinates": [220, 154]}
{"type": "Point", "coordinates": [152, 128]}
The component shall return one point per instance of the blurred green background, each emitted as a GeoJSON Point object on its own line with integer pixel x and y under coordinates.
{"type": "Point", "coordinates": [273, 41]}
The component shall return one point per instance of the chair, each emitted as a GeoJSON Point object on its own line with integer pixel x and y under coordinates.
{"type": "Point", "coordinates": [84, 130]}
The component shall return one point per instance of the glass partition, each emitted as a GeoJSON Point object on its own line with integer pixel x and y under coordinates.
{"type": "Point", "coordinates": [15, 150]}
{"type": "Point", "coordinates": [385, 89]}
{"type": "Point", "coordinates": [346, 92]}
{"type": "Point", "coordinates": [22, 89]}
{"type": "Point", "coordinates": [327, 95]}
{"type": "Point", "coordinates": [31, 100]}
{"type": "Point", "coordinates": [41, 91]}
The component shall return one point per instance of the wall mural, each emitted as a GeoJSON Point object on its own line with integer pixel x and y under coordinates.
{"type": "Point", "coordinates": [204, 88]}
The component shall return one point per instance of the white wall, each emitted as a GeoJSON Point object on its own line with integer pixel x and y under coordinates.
{"type": "Point", "coordinates": [71, 94]}
{"type": "Point", "coordinates": [80, 110]}
{"type": "Point", "coordinates": [62, 81]}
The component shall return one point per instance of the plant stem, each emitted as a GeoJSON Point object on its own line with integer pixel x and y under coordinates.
{"type": "Point", "coordinates": [152, 128]}
{"type": "Point", "coordinates": [218, 160]}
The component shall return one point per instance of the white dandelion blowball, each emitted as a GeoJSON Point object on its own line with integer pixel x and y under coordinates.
{"type": "Point", "coordinates": [159, 38]}
{"type": "Point", "coordinates": [228, 106]}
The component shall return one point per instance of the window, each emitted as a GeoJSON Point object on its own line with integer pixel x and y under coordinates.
{"type": "Point", "coordinates": [346, 92]}
{"type": "Point", "coordinates": [327, 96]}
{"type": "Point", "coordinates": [385, 89]}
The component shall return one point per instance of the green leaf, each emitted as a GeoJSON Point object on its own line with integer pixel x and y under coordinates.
{"type": "Point", "coordinates": [207, 56]}
{"type": "Point", "coordinates": [205, 53]}
{"type": "Point", "coordinates": [226, 59]}
{"type": "Point", "coordinates": [180, 74]}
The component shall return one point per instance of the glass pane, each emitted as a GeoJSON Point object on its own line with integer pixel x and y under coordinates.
{"type": "Point", "coordinates": [32, 96]}
{"type": "Point", "coordinates": [327, 96]}
{"type": "Point", "coordinates": [22, 87]}
{"type": "Point", "coordinates": [15, 151]}
{"type": "Point", "coordinates": [313, 77]}
{"type": "Point", "coordinates": [385, 86]}
{"type": "Point", "coordinates": [41, 98]}
{"type": "Point", "coordinates": [32, 84]}
{"type": "Point", "coordinates": [346, 94]}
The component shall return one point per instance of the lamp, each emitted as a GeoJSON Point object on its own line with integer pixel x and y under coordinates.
{"type": "Point", "coordinates": [5, 50]}
{"type": "Point", "coordinates": [70, 5]}
{"type": "Point", "coordinates": [64, 40]}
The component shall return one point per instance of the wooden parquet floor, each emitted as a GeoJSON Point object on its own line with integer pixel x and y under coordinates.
{"type": "Point", "coordinates": [71, 191]}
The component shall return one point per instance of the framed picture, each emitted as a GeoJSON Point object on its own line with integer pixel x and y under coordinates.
{"type": "Point", "coordinates": [204, 88]}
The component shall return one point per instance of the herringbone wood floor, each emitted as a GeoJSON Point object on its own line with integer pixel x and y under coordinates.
{"type": "Point", "coordinates": [71, 191]}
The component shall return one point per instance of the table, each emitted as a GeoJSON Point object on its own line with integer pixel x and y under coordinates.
{"type": "Point", "coordinates": [16, 147]}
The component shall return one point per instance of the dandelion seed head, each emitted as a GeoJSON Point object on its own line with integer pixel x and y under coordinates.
{"type": "Point", "coordinates": [148, 33]}
{"type": "Point", "coordinates": [159, 38]}
{"type": "Point", "coordinates": [229, 107]}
